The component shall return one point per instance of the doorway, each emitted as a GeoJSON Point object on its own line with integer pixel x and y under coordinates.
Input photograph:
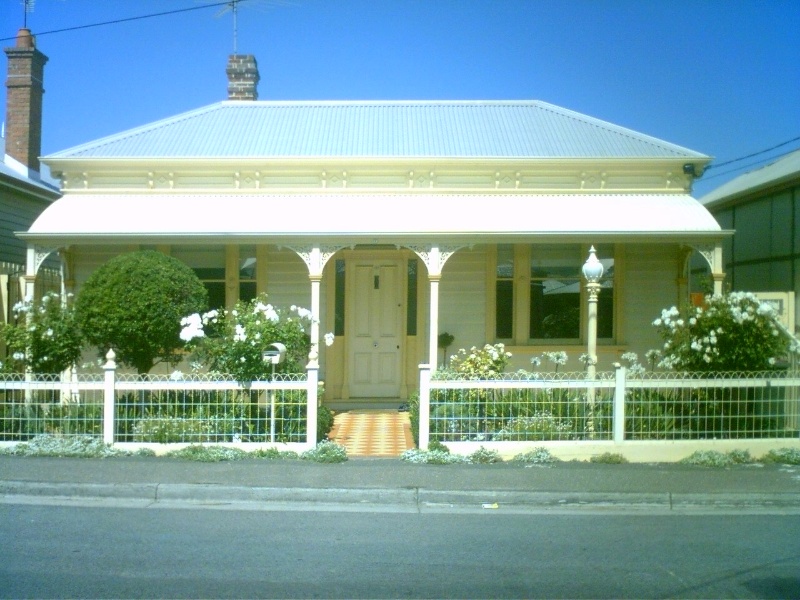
{"type": "Point", "coordinates": [375, 318]}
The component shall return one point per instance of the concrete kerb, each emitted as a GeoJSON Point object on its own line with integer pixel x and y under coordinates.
{"type": "Point", "coordinates": [409, 499]}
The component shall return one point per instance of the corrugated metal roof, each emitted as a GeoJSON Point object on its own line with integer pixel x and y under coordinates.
{"type": "Point", "coordinates": [388, 129]}
{"type": "Point", "coordinates": [783, 169]}
{"type": "Point", "coordinates": [328, 214]}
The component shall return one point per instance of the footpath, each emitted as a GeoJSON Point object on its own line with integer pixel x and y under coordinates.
{"type": "Point", "coordinates": [391, 484]}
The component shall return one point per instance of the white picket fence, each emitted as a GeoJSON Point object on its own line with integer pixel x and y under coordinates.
{"type": "Point", "coordinates": [659, 416]}
{"type": "Point", "coordinates": [649, 416]}
{"type": "Point", "coordinates": [133, 411]}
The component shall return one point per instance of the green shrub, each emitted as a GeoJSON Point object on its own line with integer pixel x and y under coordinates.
{"type": "Point", "coordinates": [70, 446]}
{"type": "Point", "coordinates": [413, 416]}
{"type": "Point", "coordinates": [740, 457]}
{"type": "Point", "coordinates": [166, 430]}
{"type": "Point", "coordinates": [42, 336]}
{"type": "Point", "coordinates": [539, 455]}
{"type": "Point", "coordinates": [324, 422]}
{"type": "Point", "coordinates": [140, 322]}
{"type": "Point", "coordinates": [481, 363]}
{"type": "Point", "coordinates": [713, 458]}
{"type": "Point", "coordinates": [608, 458]}
{"type": "Point", "coordinates": [208, 453]}
{"type": "Point", "coordinates": [484, 456]}
{"type": "Point", "coordinates": [433, 457]}
{"type": "Point", "coordinates": [437, 446]}
{"type": "Point", "coordinates": [784, 456]}
{"type": "Point", "coordinates": [20, 421]}
{"type": "Point", "coordinates": [731, 332]}
{"type": "Point", "coordinates": [275, 454]}
{"type": "Point", "coordinates": [326, 452]}
{"type": "Point", "coordinates": [540, 426]}
{"type": "Point", "coordinates": [234, 341]}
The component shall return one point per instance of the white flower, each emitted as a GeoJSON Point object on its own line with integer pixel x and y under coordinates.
{"type": "Point", "coordinates": [18, 356]}
{"type": "Point", "coordinates": [192, 327]}
{"type": "Point", "coordinates": [176, 375]}
{"type": "Point", "coordinates": [558, 358]}
{"type": "Point", "coordinates": [329, 338]}
{"type": "Point", "coordinates": [536, 361]}
{"type": "Point", "coordinates": [239, 334]}
{"type": "Point", "coordinates": [303, 313]}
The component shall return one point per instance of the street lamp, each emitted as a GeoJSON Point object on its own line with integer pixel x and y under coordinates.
{"type": "Point", "coordinates": [592, 271]}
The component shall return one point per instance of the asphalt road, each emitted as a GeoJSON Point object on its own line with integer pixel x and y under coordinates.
{"type": "Point", "coordinates": [62, 551]}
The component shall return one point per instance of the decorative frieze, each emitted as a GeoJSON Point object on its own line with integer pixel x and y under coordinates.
{"type": "Point", "coordinates": [543, 179]}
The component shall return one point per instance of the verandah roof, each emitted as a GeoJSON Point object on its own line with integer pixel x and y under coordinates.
{"type": "Point", "coordinates": [368, 217]}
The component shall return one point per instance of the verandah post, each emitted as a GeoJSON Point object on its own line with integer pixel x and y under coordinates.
{"type": "Point", "coordinates": [109, 393]}
{"type": "Point", "coordinates": [312, 380]}
{"type": "Point", "coordinates": [619, 403]}
{"type": "Point", "coordinates": [424, 405]}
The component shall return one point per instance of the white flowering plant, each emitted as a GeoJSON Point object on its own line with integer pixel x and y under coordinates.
{"type": "Point", "coordinates": [234, 341]}
{"type": "Point", "coordinates": [43, 336]}
{"type": "Point", "coordinates": [730, 332]}
{"type": "Point", "coordinates": [481, 363]}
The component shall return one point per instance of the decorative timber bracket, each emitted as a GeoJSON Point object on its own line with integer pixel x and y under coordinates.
{"type": "Point", "coordinates": [315, 257]}
{"type": "Point", "coordinates": [435, 257]}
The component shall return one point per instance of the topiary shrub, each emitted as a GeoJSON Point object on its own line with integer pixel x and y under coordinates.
{"type": "Point", "coordinates": [134, 304]}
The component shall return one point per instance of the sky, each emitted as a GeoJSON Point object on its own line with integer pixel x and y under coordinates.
{"type": "Point", "coordinates": [717, 76]}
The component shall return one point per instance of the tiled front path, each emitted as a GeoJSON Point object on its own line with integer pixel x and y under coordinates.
{"type": "Point", "coordinates": [377, 433]}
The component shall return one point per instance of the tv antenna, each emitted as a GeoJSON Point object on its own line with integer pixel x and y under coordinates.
{"type": "Point", "coordinates": [232, 6]}
{"type": "Point", "coordinates": [27, 7]}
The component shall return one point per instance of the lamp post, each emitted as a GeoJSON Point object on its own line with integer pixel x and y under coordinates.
{"type": "Point", "coordinates": [592, 271]}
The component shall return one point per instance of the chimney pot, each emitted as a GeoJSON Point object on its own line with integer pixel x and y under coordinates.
{"type": "Point", "coordinates": [25, 39]}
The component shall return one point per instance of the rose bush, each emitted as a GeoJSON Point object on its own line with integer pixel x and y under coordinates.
{"type": "Point", "coordinates": [730, 332]}
{"type": "Point", "coordinates": [481, 363]}
{"type": "Point", "coordinates": [233, 341]}
{"type": "Point", "coordinates": [43, 336]}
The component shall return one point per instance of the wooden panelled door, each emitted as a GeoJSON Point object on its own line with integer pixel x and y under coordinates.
{"type": "Point", "coordinates": [375, 318]}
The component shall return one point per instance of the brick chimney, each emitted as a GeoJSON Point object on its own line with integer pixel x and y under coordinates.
{"type": "Point", "coordinates": [243, 77]}
{"type": "Point", "coordinates": [24, 100]}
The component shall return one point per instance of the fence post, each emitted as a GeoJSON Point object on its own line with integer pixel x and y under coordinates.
{"type": "Point", "coordinates": [619, 403]}
{"type": "Point", "coordinates": [424, 405]}
{"type": "Point", "coordinates": [312, 376]}
{"type": "Point", "coordinates": [109, 393]}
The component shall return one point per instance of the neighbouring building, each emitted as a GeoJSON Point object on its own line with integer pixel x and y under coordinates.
{"type": "Point", "coordinates": [763, 255]}
{"type": "Point", "coordinates": [396, 221]}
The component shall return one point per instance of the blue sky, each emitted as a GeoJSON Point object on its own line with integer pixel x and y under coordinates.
{"type": "Point", "coordinates": [717, 76]}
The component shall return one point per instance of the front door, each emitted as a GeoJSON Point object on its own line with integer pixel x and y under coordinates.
{"type": "Point", "coordinates": [375, 315]}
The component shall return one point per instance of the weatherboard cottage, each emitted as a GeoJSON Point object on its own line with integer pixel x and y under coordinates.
{"type": "Point", "coordinates": [396, 221]}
